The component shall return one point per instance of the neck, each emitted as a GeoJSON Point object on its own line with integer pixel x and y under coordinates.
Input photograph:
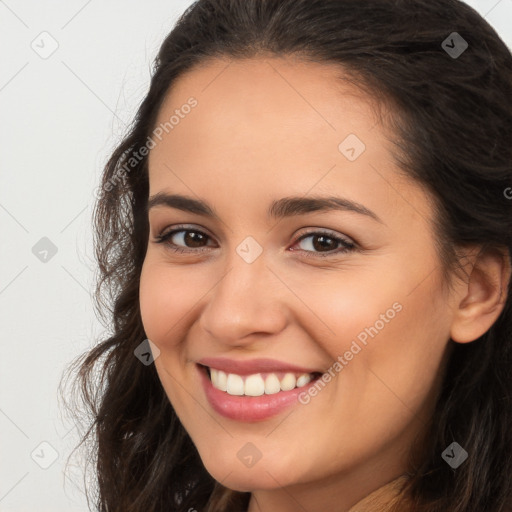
{"type": "Point", "coordinates": [359, 497]}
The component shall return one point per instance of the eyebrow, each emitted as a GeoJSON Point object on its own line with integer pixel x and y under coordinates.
{"type": "Point", "coordinates": [280, 208]}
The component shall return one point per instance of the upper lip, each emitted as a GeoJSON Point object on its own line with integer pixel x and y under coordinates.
{"type": "Point", "coordinates": [251, 366]}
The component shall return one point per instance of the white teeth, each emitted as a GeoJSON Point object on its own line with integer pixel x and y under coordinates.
{"type": "Point", "coordinates": [223, 381]}
{"type": "Point", "coordinates": [272, 384]}
{"type": "Point", "coordinates": [303, 380]}
{"type": "Point", "coordinates": [219, 379]}
{"type": "Point", "coordinates": [235, 384]}
{"type": "Point", "coordinates": [255, 385]}
{"type": "Point", "coordinates": [214, 377]}
{"type": "Point", "coordinates": [288, 382]}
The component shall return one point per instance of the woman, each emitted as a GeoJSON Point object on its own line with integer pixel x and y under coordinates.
{"type": "Point", "coordinates": [306, 237]}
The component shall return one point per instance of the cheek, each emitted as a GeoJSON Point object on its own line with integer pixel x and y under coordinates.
{"type": "Point", "coordinates": [410, 356]}
{"type": "Point", "coordinates": [391, 342]}
{"type": "Point", "coordinates": [347, 314]}
{"type": "Point", "coordinates": [154, 299]}
{"type": "Point", "coordinates": [166, 299]}
{"type": "Point", "coordinates": [401, 361]}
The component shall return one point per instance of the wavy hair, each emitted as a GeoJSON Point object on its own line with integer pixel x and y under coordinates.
{"type": "Point", "coordinates": [452, 124]}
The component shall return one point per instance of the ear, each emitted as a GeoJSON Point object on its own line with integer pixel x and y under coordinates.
{"type": "Point", "coordinates": [481, 298]}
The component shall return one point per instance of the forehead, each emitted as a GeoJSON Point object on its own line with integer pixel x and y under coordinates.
{"type": "Point", "coordinates": [273, 126]}
{"type": "Point", "coordinates": [268, 97]}
{"type": "Point", "coordinates": [254, 109]}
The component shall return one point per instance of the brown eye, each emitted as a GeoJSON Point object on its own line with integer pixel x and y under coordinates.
{"type": "Point", "coordinates": [324, 243]}
{"type": "Point", "coordinates": [190, 238]}
{"type": "Point", "coordinates": [181, 239]}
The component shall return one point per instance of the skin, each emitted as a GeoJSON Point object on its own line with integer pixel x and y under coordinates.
{"type": "Point", "coordinates": [265, 129]}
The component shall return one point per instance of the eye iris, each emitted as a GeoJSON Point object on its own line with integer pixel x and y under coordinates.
{"type": "Point", "coordinates": [331, 245]}
{"type": "Point", "coordinates": [192, 237]}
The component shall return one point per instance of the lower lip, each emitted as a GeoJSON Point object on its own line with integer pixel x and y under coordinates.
{"type": "Point", "coordinates": [249, 408]}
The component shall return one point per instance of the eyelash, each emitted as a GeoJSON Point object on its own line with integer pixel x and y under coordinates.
{"type": "Point", "coordinates": [346, 246]}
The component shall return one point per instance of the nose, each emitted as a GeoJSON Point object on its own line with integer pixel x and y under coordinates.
{"type": "Point", "coordinates": [247, 303]}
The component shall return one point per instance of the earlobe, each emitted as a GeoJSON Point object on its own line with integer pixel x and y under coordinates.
{"type": "Point", "coordinates": [483, 297]}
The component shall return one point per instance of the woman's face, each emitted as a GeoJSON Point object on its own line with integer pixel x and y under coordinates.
{"type": "Point", "coordinates": [353, 290]}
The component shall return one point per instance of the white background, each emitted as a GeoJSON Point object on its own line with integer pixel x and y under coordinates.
{"type": "Point", "coordinates": [60, 119]}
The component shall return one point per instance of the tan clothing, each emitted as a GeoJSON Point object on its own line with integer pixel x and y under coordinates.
{"type": "Point", "coordinates": [382, 499]}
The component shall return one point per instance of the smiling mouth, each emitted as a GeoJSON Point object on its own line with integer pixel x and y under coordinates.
{"type": "Point", "coordinates": [257, 384]}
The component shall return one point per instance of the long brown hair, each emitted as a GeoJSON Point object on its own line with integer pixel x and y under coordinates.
{"type": "Point", "coordinates": [452, 119]}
